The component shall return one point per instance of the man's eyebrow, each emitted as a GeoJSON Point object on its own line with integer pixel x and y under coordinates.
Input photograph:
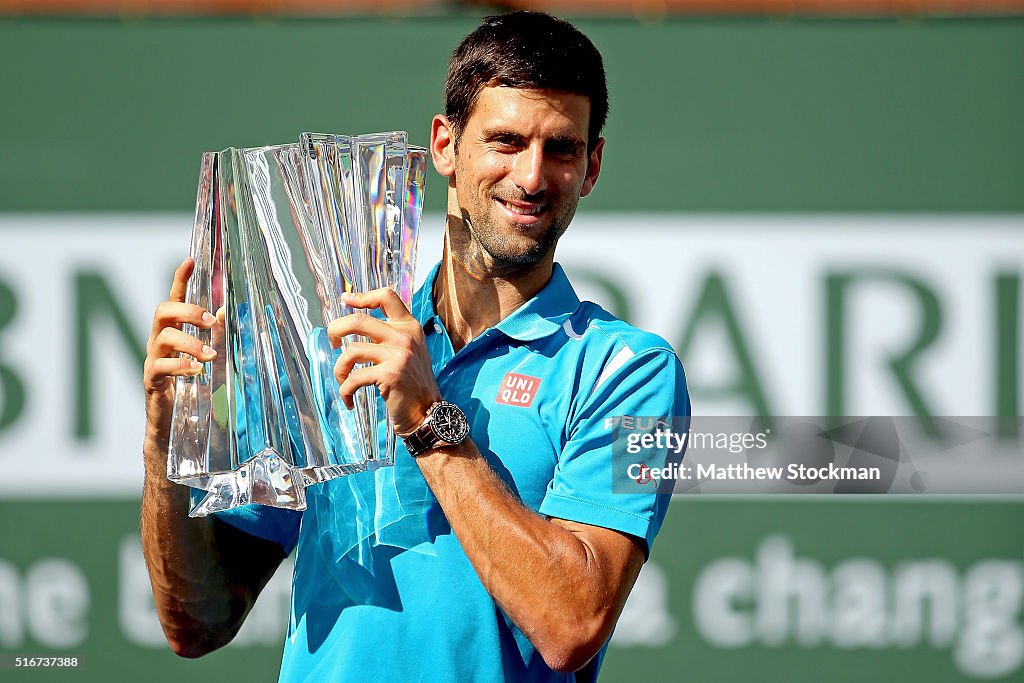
{"type": "Point", "coordinates": [492, 133]}
{"type": "Point", "coordinates": [561, 141]}
{"type": "Point", "coordinates": [569, 142]}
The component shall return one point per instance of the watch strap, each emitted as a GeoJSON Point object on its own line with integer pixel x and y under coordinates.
{"type": "Point", "coordinates": [420, 440]}
{"type": "Point", "coordinates": [423, 437]}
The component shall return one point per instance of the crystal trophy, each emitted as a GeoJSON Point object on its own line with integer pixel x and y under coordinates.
{"type": "Point", "coordinates": [281, 232]}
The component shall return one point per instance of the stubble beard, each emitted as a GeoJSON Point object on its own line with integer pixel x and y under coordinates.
{"type": "Point", "coordinates": [501, 253]}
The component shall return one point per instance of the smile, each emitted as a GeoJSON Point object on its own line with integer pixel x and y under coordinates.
{"type": "Point", "coordinates": [521, 212]}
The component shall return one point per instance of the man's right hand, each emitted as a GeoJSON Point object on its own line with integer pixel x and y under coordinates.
{"type": "Point", "coordinates": [163, 360]}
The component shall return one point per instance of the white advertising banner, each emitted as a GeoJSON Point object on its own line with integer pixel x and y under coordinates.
{"type": "Point", "coordinates": [784, 315]}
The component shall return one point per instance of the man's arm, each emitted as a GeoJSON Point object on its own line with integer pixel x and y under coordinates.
{"type": "Point", "coordinates": [563, 583]}
{"type": "Point", "coordinates": [205, 574]}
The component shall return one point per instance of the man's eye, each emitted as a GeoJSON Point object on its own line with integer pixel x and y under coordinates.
{"type": "Point", "coordinates": [564, 151]}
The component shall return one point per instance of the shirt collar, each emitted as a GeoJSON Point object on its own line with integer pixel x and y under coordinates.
{"type": "Point", "coordinates": [423, 302]}
{"type": "Point", "coordinates": [539, 317]}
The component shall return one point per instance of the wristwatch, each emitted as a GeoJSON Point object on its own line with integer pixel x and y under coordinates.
{"type": "Point", "coordinates": [444, 425]}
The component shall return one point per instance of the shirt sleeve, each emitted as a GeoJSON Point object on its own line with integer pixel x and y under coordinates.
{"type": "Point", "coordinates": [263, 521]}
{"type": "Point", "coordinates": [652, 384]}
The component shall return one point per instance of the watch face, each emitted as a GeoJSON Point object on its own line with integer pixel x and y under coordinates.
{"type": "Point", "coordinates": [449, 423]}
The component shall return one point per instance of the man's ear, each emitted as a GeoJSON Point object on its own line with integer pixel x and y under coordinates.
{"type": "Point", "coordinates": [593, 168]}
{"type": "Point", "coordinates": [442, 145]}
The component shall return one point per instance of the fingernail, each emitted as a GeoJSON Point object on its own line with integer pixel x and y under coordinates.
{"type": "Point", "coordinates": [209, 351]}
{"type": "Point", "coordinates": [195, 365]}
{"type": "Point", "coordinates": [209, 318]}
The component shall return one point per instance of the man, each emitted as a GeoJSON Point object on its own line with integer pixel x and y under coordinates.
{"type": "Point", "coordinates": [515, 557]}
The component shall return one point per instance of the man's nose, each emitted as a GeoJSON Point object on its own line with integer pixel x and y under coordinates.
{"type": "Point", "coordinates": [528, 170]}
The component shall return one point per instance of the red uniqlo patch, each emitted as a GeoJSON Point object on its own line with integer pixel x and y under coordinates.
{"type": "Point", "coordinates": [518, 390]}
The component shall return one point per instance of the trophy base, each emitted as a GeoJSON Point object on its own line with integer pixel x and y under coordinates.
{"type": "Point", "coordinates": [264, 480]}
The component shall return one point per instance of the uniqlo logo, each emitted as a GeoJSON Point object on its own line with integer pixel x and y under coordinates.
{"type": "Point", "coordinates": [518, 390]}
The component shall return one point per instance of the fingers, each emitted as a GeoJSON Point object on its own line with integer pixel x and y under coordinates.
{"type": "Point", "coordinates": [357, 379]}
{"type": "Point", "coordinates": [181, 276]}
{"type": "Point", "coordinates": [357, 352]}
{"type": "Point", "coordinates": [157, 370]}
{"type": "Point", "coordinates": [385, 298]}
{"type": "Point", "coordinates": [174, 313]}
{"type": "Point", "coordinates": [171, 341]}
{"type": "Point", "coordinates": [397, 361]}
{"type": "Point", "coordinates": [359, 323]}
{"type": "Point", "coordinates": [163, 360]}
{"type": "Point", "coordinates": [351, 378]}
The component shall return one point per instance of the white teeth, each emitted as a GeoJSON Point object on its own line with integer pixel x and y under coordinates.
{"type": "Point", "coordinates": [521, 211]}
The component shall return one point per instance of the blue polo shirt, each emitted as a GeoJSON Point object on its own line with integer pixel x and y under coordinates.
{"type": "Point", "coordinates": [537, 388]}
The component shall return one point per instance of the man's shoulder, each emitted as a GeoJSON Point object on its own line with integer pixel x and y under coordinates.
{"type": "Point", "coordinates": [594, 326]}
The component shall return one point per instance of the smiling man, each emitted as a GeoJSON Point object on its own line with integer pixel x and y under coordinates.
{"type": "Point", "coordinates": [500, 552]}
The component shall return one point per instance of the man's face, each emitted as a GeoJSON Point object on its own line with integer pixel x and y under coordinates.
{"type": "Point", "coordinates": [520, 168]}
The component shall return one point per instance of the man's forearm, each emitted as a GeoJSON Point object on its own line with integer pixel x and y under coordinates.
{"type": "Point", "coordinates": [201, 602]}
{"type": "Point", "coordinates": [546, 578]}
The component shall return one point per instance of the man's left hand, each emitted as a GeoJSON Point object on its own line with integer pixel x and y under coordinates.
{"type": "Point", "coordinates": [397, 360]}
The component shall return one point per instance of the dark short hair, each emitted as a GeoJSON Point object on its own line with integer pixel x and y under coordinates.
{"type": "Point", "coordinates": [525, 50]}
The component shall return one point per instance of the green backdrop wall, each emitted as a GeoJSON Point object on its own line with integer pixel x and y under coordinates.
{"type": "Point", "coordinates": [707, 115]}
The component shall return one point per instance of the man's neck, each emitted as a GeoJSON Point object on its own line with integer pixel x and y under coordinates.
{"type": "Point", "coordinates": [470, 300]}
